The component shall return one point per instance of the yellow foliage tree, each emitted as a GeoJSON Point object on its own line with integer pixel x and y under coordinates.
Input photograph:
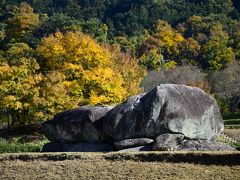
{"type": "Point", "coordinates": [169, 38]}
{"type": "Point", "coordinates": [18, 88]}
{"type": "Point", "coordinates": [53, 96]}
{"type": "Point", "coordinates": [129, 68]}
{"type": "Point", "coordinates": [26, 95]}
{"type": "Point", "coordinates": [86, 65]}
{"type": "Point", "coordinates": [22, 21]}
{"type": "Point", "coordinates": [152, 59]}
{"type": "Point", "coordinates": [162, 49]}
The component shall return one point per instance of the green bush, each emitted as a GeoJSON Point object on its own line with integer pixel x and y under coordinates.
{"type": "Point", "coordinates": [15, 147]}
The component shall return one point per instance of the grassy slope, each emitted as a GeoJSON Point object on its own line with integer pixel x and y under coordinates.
{"type": "Point", "coordinates": [119, 166]}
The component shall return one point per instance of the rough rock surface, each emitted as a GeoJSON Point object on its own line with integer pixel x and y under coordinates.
{"type": "Point", "coordinates": [137, 149]}
{"type": "Point", "coordinates": [168, 108]}
{"type": "Point", "coordinates": [78, 147]}
{"type": "Point", "coordinates": [77, 125]}
{"type": "Point", "coordinates": [204, 145]}
{"type": "Point", "coordinates": [129, 143]}
{"type": "Point", "coordinates": [166, 142]}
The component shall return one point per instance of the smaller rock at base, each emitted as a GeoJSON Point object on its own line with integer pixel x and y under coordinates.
{"type": "Point", "coordinates": [203, 145]}
{"type": "Point", "coordinates": [165, 142]}
{"type": "Point", "coordinates": [79, 147]}
{"type": "Point", "coordinates": [129, 143]}
{"type": "Point", "coordinates": [137, 149]}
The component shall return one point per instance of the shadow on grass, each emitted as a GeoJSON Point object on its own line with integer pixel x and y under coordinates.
{"type": "Point", "coordinates": [204, 158]}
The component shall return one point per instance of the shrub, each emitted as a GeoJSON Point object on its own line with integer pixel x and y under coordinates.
{"type": "Point", "coordinates": [226, 85]}
{"type": "Point", "coordinates": [16, 147]}
{"type": "Point", "coordinates": [188, 75]}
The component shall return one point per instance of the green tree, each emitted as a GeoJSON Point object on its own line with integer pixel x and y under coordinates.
{"type": "Point", "coordinates": [2, 31]}
{"type": "Point", "coordinates": [59, 22]}
{"type": "Point", "coordinates": [96, 29]}
{"type": "Point", "coordinates": [216, 53]}
{"type": "Point", "coordinates": [198, 28]}
{"type": "Point", "coordinates": [235, 38]}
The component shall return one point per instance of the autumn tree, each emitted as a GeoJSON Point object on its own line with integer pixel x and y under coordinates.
{"type": "Point", "coordinates": [86, 65]}
{"type": "Point", "coordinates": [20, 21]}
{"type": "Point", "coordinates": [19, 85]}
{"type": "Point", "coordinates": [128, 67]}
{"type": "Point", "coordinates": [189, 51]}
{"type": "Point", "coordinates": [152, 59]}
{"type": "Point", "coordinates": [26, 95]}
{"type": "Point", "coordinates": [54, 96]}
{"type": "Point", "coordinates": [170, 39]}
{"type": "Point", "coordinates": [160, 49]}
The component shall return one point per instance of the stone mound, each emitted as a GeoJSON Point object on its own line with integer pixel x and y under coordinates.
{"type": "Point", "coordinates": [169, 117]}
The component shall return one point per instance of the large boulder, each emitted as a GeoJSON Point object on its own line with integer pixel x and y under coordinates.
{"type": "Point", "coordinates": [170, 117]}
{"type": "Point", "coordinates": [77, 125]}
{"type": "Point", "coordinates": [168, 108]}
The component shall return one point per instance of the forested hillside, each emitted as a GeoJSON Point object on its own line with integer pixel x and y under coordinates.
{"type": "Point", "coordinates": [60, 54]}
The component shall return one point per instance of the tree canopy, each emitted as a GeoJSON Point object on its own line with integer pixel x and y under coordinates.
{"type": "Point", "coordinates": [60, 54]}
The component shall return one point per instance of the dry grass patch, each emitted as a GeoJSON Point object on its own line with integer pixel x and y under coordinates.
{"type": "Point", "coordinates": [120, 166]}
{"type": "Point", "coordinates": [233, 133]}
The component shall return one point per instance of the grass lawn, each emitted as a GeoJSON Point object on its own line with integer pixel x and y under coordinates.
{"type": "Point", "coordinates": [232, 124]}
{"type": "Point", "coordinates": [117, 166]}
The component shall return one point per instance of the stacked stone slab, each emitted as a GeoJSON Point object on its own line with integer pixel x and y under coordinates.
{"type": "Point", "coordinates": [169, 117]}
